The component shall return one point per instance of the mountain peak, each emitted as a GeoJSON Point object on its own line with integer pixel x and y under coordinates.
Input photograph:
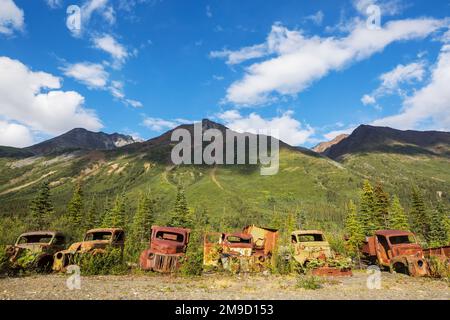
{"type": "Point", "coordinates": [81, 139]}
{"type": "Point", "coordinates": [367, 138]}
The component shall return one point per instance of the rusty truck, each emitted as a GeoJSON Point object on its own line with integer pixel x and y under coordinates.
{"type": "Point", "coordinates": [166, 250]}
{"type": "Point", "coordinates": [35, 250]}
{"type": "Point", "coordinates": [396, 250]}
{"type": "Point", "coordinates": [311, 250]}
{"type": "Point", "coordinates": [248, 251]}
{"type": "Point", "coordinates": [96, 241]}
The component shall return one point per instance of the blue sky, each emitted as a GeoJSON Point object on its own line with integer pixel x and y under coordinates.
{"type": "Point", "coordinates": [310, 69]}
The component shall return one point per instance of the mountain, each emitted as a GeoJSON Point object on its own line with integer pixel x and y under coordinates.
{"type": "Point", "coordinates": [80, 139]}
{"type": "Point", "coordinates": [323, 146]}
{"type": "Point", "coordinates": [231, 195]}
{"type": "Point", "coordinates": [370, 139]}
{"type": "Point", "coordinates": [10, 152]}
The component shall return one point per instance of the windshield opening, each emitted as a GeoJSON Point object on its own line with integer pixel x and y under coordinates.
{"type": "Point", "coordinates": [170, 236]}
{"type": "Point", "coordinates": [234, 239]}
{"type": "Point", "coordinates": [35, 239]}
{"type": "Point", "coordinates": [98, 236]}
{"type": "Point", "coordinates": [310, 237]}
{"type": "Point", "coordinates": [407, 239]}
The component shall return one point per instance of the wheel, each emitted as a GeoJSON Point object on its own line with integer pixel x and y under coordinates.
{"type": "Point", "coordinates": [400, 268]}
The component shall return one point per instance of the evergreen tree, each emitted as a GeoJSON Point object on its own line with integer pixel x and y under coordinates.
{"type": "Point", "coordinates": [143, 220]}
{"type": "Point", "coordinates": [397, 216]}
{"type": "Point", "coordinates": [419, 214]}
{"type": "Point", "coordinates": [41, 208]}
{"type": "Point", "coordinates": [354, 229]}
{"type": "Point", "coordinates": [115, 217]}
{"type": "Point", "coordinates": [438, 229]}
{"type": "Point", "coordinates": [181, 216]}
{"type": "Point", "coordinates": [367, 210]}
{"type": "Point", "coordinates": [90, 220]}
{"type": "Point", "coordinates": [75, 208]}
{"type": "Point", "coordinates": [381, 220]}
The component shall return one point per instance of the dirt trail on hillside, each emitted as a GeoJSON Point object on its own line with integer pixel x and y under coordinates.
{"type": "Point", "coordinates": [27, 184]}
{"type": "Point", "coordinates": [219, 287]}
{"type": "Point", "coordinates": [214, 178]}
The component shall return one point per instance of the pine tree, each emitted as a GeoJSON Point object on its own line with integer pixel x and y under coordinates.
{"type": "Point", "coordinates": [419, 214]}
{"type": "Point", "coordinates": [41, 208]}
{"type": "Point", "coordinates": [181, 216]}
{"type": "Point", "coordinates": [438, 229]}
{"type": "Point", "coordinates": [354, 229]}
{"type": "Point", "coordinates": [75, 208]}
{"type": "Point", "coordinates": [115, 217]}
{"type": "Point", "coordinates": [381, 218]}
{"type": "Point", "coordinates": [397, 216]}
{"type": "Point", "coordinates": [367, 210]}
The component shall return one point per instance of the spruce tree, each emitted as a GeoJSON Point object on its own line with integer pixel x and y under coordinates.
{"type": "Point", "coordinates": [419, 214]}
{"type": "Point", "coordinates": [41, 208]}
{"type": "Point", "coordinates": [90, 220]}
{"type": "Point", "coordinates": [397, 216]}
{"type": "Point", "coordinates": [438, 229]}
{"type": "Point", "coordinates": [354, 229]}
{"type": "Point", "coordinates": [115, 217]}
{"type": "Point", "coordinates": [75, 208]}
{"type": "Point", "coordinates": [381, 218]}
{"type": "Point", "coordinates": [367, 209]}
{"type": "Point", "coordinates": [143, 220]}
{"type": "Point", "coordinates": [181, 216]}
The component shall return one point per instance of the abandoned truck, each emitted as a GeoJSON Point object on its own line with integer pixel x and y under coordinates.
{"type": "Point", "coordinates": [247, 251]}
{"type": "Point", "coordinates": [166, 251]}
{"type": "Point", "coordinates": [35, 250]}
{"type": "Point", "coordinates": [311, 250]}
{"type": "Point", "coordinates": [96, 241]}
{"type": "Point", "coordinates": [397, 251]}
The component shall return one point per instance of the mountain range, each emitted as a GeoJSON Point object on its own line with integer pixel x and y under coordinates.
{"type": "Point", "coordinates": [319, 183]}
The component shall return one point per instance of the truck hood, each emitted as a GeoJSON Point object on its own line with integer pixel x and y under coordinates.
{"type": "Point", "coordinates": [167, 247]}
{"type": "Point", "coordinates": [33, 247]}
{"type": "Point", "coordinates": [408, 250]}
{"type": "Point", "coordinates": [87, 246]}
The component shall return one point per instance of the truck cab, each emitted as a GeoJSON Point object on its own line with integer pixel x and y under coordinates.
{"type": "Point", "coordinates": [397, 251]}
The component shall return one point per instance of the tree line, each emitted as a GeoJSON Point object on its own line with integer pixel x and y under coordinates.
{"type": "Point", "coordinates": [377, 210]}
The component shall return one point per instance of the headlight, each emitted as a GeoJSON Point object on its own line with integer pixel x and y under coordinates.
{"type": "Point", "coordinates": [420, 263]}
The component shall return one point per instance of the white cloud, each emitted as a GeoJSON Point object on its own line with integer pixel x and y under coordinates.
{"type": "Point", "coordinates": [333, 134]}
{"type": "Point", "coordinates": [11, 17]}
{"type": "Point", "coordinates": [91, 74]}
{"type": "Point", "coordinates": [289, 129]}
{"type": "Point", "coordinates": [300, 60]}
{"type": "Point", "coordinates": [391, 81]}
{"type": "Point", "coordinates": [158, 124]}
{"type": "Point", "coordinates": [35, 100]}
{"type": "Point", "coordinates": [111, 46]}
{"type": "Point", "coordinates": [366, 100]}
{"type": "Point", "coordinates": [387, 7]}
{"type": "Point", "coordinates": [91, 7]}
{"type": "Point", "coordinates": [316, 18]}
{"type": "Point", "coordinates": [15, 135]}
{"type": "Point", "coordinates": [54, 3]}
{"type": "Point", "coordinates": [134, 103]}
{"type": "Point", "coordinates": [429, 106]}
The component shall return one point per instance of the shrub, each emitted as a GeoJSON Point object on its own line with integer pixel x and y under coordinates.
{"type": "Point", "coordinates": [102, 263]}
{"type": "Point", "coordinates": [309, 282]}
{"type": "Point", "coordinates": [193, 263]}
{"type": "Point", "coordinates": [284, 263]}
{"type": "Point", "coordinates": [439, 268]}
{"type": "Point", "coordinates": [4, 262]}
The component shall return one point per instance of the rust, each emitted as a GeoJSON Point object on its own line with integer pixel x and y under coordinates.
{"type": "Point", "coordinates": [95, 241]}
{"type": "Point", "coordinates": [248, 251]}
{"type": "Point", "coordinates": [41, 245]}
{"type": "Point", "coordinates": [312, 250]}
{"type": "Point", "coordinates": [397, 251]}
{"type": "Point", "coordinates": [166, 251]}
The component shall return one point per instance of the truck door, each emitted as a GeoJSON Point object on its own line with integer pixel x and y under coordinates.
{"type": "Point", "coordinates": [382, 250]}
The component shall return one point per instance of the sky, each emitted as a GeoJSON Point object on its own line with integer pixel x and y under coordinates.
{"type": "Point", "coordinates": [310, 69]}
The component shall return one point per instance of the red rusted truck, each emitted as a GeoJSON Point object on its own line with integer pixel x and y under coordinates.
{"type": "Point", "coordinates": [166, 251]}
{"type": "Point", "coordinates": [397, 251]}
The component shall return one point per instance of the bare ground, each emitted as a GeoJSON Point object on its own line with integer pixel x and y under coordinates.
{"type": "Point", "coordinates": [217, 286]}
